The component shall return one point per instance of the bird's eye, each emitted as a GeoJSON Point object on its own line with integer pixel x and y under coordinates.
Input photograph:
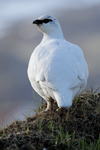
{"type": "Point", "coordinates": [46, 20]}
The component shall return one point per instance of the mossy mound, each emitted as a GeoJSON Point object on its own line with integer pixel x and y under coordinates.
{"type": "Point", "coordinates": [75, 129]}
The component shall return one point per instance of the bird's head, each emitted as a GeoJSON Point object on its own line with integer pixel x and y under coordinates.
{"type": "Point", "coordinates": [48, 24]}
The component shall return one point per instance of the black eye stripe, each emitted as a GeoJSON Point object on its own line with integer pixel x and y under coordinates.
{"type": "Point", "coordinates": [46, 20]}
{"type": "Point", "coordinates": [41, 21]}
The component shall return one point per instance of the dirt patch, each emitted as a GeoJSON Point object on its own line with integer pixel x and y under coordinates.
{"type": "Point", "coordinates": [73, 129]}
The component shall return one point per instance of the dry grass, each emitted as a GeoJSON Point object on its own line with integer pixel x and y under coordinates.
{"type": "Point", "coordinates": [75, 129]}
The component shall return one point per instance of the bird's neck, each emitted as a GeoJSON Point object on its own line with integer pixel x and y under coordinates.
{"type": "Point", "coordinates": [52, 35]}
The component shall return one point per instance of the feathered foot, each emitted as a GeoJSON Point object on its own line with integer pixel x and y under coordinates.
{"type": "Point", "coordinates": [50, 103]}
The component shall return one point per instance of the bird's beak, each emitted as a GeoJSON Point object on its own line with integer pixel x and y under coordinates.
{"type": "Point", "coordinates": [37, 22]}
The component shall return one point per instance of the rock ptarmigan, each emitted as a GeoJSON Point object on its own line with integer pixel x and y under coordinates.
{"type": "Point", "coordinates": [57, 69]}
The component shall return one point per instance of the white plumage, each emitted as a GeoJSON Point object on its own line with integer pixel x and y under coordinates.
{"type": "Point", "coordinates": [57, 69]}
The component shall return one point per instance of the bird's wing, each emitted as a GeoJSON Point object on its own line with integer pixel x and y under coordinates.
{"type": "Point", "coordinates": [81, 68]}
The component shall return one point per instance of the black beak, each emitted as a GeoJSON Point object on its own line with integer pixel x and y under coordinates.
{"type": "Point", "coordinates": [37, 22]}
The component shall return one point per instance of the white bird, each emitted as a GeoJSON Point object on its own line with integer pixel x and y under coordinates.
{"type": "Point", "coordinates": [57, 69]}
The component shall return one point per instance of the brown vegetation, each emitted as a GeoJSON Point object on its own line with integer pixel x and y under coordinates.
{"type": "Point", "coordinates": [75, 129]}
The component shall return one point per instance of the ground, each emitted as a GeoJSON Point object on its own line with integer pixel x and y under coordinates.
{"type": "Point", "coordinates": [77, 128]}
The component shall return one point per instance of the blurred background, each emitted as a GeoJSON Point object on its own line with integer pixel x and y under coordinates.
{"type": "Point", "coordinates": [80, 22]}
